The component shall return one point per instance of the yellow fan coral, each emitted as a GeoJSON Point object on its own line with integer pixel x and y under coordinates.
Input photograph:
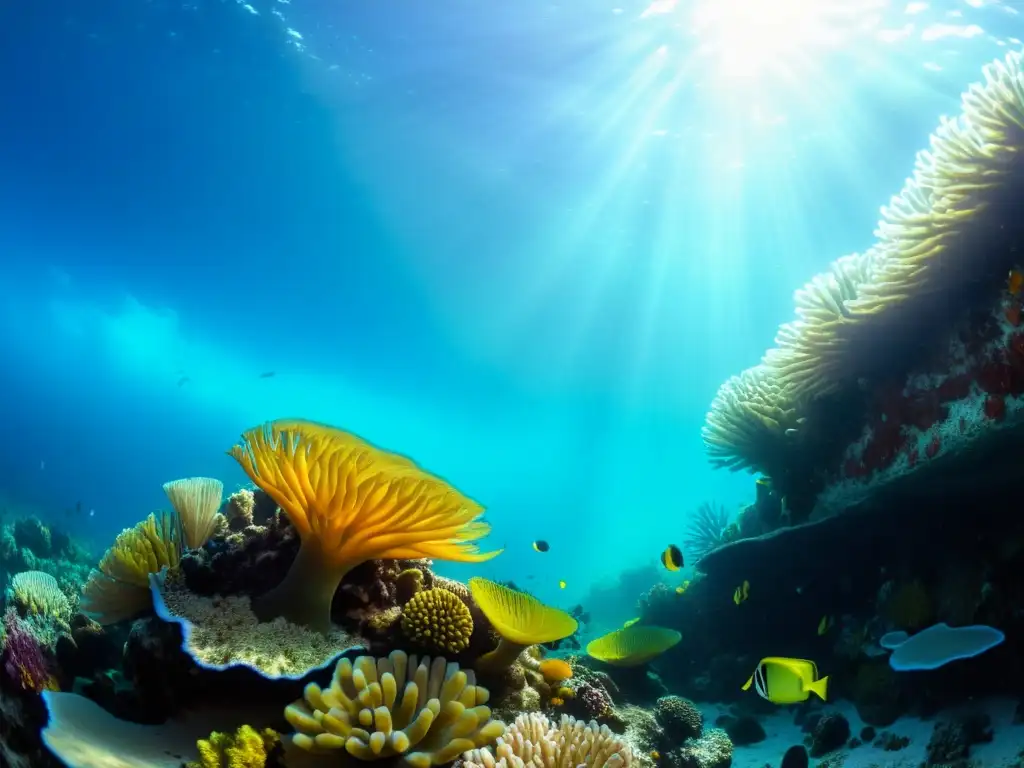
{"type": "Point", "coordinates": [245, 748]}
{"type": "Point", "coordinates": [381, 708]}
{"type": "Point", "coordinates": [197, 501]}
{"type": "Point", "coordinates": [534, 741]}
{"type": "Point", "coordinates": [632, 646]}
{"type": "Point", "coordinates": [438, 619]}
{"type": "Point", "coordinates": [35, 593]}
{"type": "Point", "coordinates": [350, 502]}
{"type": "Point", "coordinates": [520, 619]}
{"type": "Point", "coordinates": [119, 590]}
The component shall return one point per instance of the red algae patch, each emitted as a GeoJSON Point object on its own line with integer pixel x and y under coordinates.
{"type": "Point", "coordinates": [975, 386]}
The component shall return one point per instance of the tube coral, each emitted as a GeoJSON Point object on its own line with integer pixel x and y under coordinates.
{"type": "Point", "coordinates": [350, 502]}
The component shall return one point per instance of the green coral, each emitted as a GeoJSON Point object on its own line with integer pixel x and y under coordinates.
{"type": "Point", "coordinates": [245, 748]}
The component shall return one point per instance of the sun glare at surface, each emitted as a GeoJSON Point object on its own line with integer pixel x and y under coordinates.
{"type": "Point", "coordinates": [758, 40]}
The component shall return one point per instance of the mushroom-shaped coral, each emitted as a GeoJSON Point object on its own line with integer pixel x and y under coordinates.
{"type": "Point", "coordinates": [439, 713]}
{"type": "Point", "coordinates": [534, 741]}
{"type": "Point", "coordinates": [438, 619]}
{"type": "Point", "coordinates": [520, 619]}
{"type": "Point", "coordinates": [197, 501]}
{"type": "Point", "coordinates": [35, 593]}
{"type": "Point", "coordinates": [119, 590]}
{"type": "Point", "coordinates": [632, 646]}
{"type": "Point", "coordinates": [350, 502]}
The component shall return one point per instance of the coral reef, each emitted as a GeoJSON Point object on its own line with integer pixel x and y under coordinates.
{"type": "Point", "coordinates": [36, 593]}
{"type": "Point", "coordinates": [712, 750]}
{"type": "Point", "coordinates": [859, 390]}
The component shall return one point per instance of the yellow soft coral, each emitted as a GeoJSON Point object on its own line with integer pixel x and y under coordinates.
{"type": "Point", "coordinates": [438, 619]}
{"type": "Point", "coordinates": [119, 590]}
{"type": "Point", "coordinates": [427, 713]}
{"type": "Point", "coordinates": [245, 748]}
{"type": "Point", "coordinates": [350, 502]}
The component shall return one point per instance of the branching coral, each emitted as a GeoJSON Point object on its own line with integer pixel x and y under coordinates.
{"type": "Point", "coordinates": [245, 748]}
{"type": "Point", "coordinates": [534, 741]}
{"type": "Point", "coordinates": [439, 712]}
{"type": "Point", "coordinates": [35, 593]}
{"type": "Point", "coordinates": [351, 502]}
{"type": "Point", "coordinates": [934, 242]}
{"type": "Point", "coordinates": [519, 619]}
{"type": "Point", "coordinates": [437, 619]}
{"type": "Point", "coordinates": [119, 590]}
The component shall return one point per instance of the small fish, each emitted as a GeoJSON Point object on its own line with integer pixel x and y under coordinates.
{"type": "Point", "coordinates": [787, 681]}
{"type": "Point", "coordinates": [825, 625]}
{"type": "Point", "coordinates": [268, 374]}
{"type": "Point", "coordinates": [630, 622]}
{"type": "Point", "coordinates": [92, 513]}
{"type": "Point", "coordinates": [1015, 282]}
{"type": "Point", "coordinates": [541, 546]}
{"type": "Point", "coordinates": [742, 593]}
{"type": "Point", "coordinates": [672, 558]}
{"type": "Point", "coordinates": [655, 755]}
{"type": "Point", "coordinates": [183, 380]}
{"type": "Point", "coordinates": [561, 584]}
{"type": "Point", "coordinates": [681, 589]}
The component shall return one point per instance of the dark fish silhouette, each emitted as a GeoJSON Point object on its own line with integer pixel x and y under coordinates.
{"type": "Point", "coordinates": [183, 380]}
{"type": "Point", "coordinates": [268, 374]}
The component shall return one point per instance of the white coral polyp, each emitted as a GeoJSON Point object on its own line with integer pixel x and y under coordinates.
{"type": "Point", "coordinates": [534, 741]}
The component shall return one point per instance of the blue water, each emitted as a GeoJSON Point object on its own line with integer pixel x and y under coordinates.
{"type": "Point", "coordinates": [523, 243]}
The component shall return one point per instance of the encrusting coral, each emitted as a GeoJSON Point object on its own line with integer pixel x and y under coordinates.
{"type": "Point", "coordinates": [934, 246]}
{"type": "Point", "coordinates": [439, 712]}
{"type": "Point", "coordinates": [119, 589]}
{"type": "Point", "coordinates": [350, 502]}
{"type": "Point", "coordinates": [245, 748]}
{"type": "Point", "coordinates": [519, 619]}
{"type": "Point", "coordinates": [197, 501]}
{"type": "Point", "coordinates": [633, 645]}
{"type": "Point", "coordinates": [222, 631]}
{"type": "Point", "coordinates": [437, 619]}
{"type": "Point", "coordinates": [534, 741]}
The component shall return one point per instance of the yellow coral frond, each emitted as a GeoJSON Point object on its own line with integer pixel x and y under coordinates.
{"type": "Point", "coordinates": [632, 646]}
{"type": "Point", "coordinates": [245, 748]}
{"type": "Point", "coordinates": [519, 617]}
{"type": "Point", "coordinates": [356, 501]}
{"type": "Point", "coordinates": [119, 590]}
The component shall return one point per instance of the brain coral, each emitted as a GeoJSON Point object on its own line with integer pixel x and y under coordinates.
{"type": "Point", "coordinates": [679, 717]}
{"type": "Point", "coordinates": [438, 713]}
{"type": "Point", "coordinates": [437, 618]}
{"type": "Point", "coordinates": [535, 741]}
